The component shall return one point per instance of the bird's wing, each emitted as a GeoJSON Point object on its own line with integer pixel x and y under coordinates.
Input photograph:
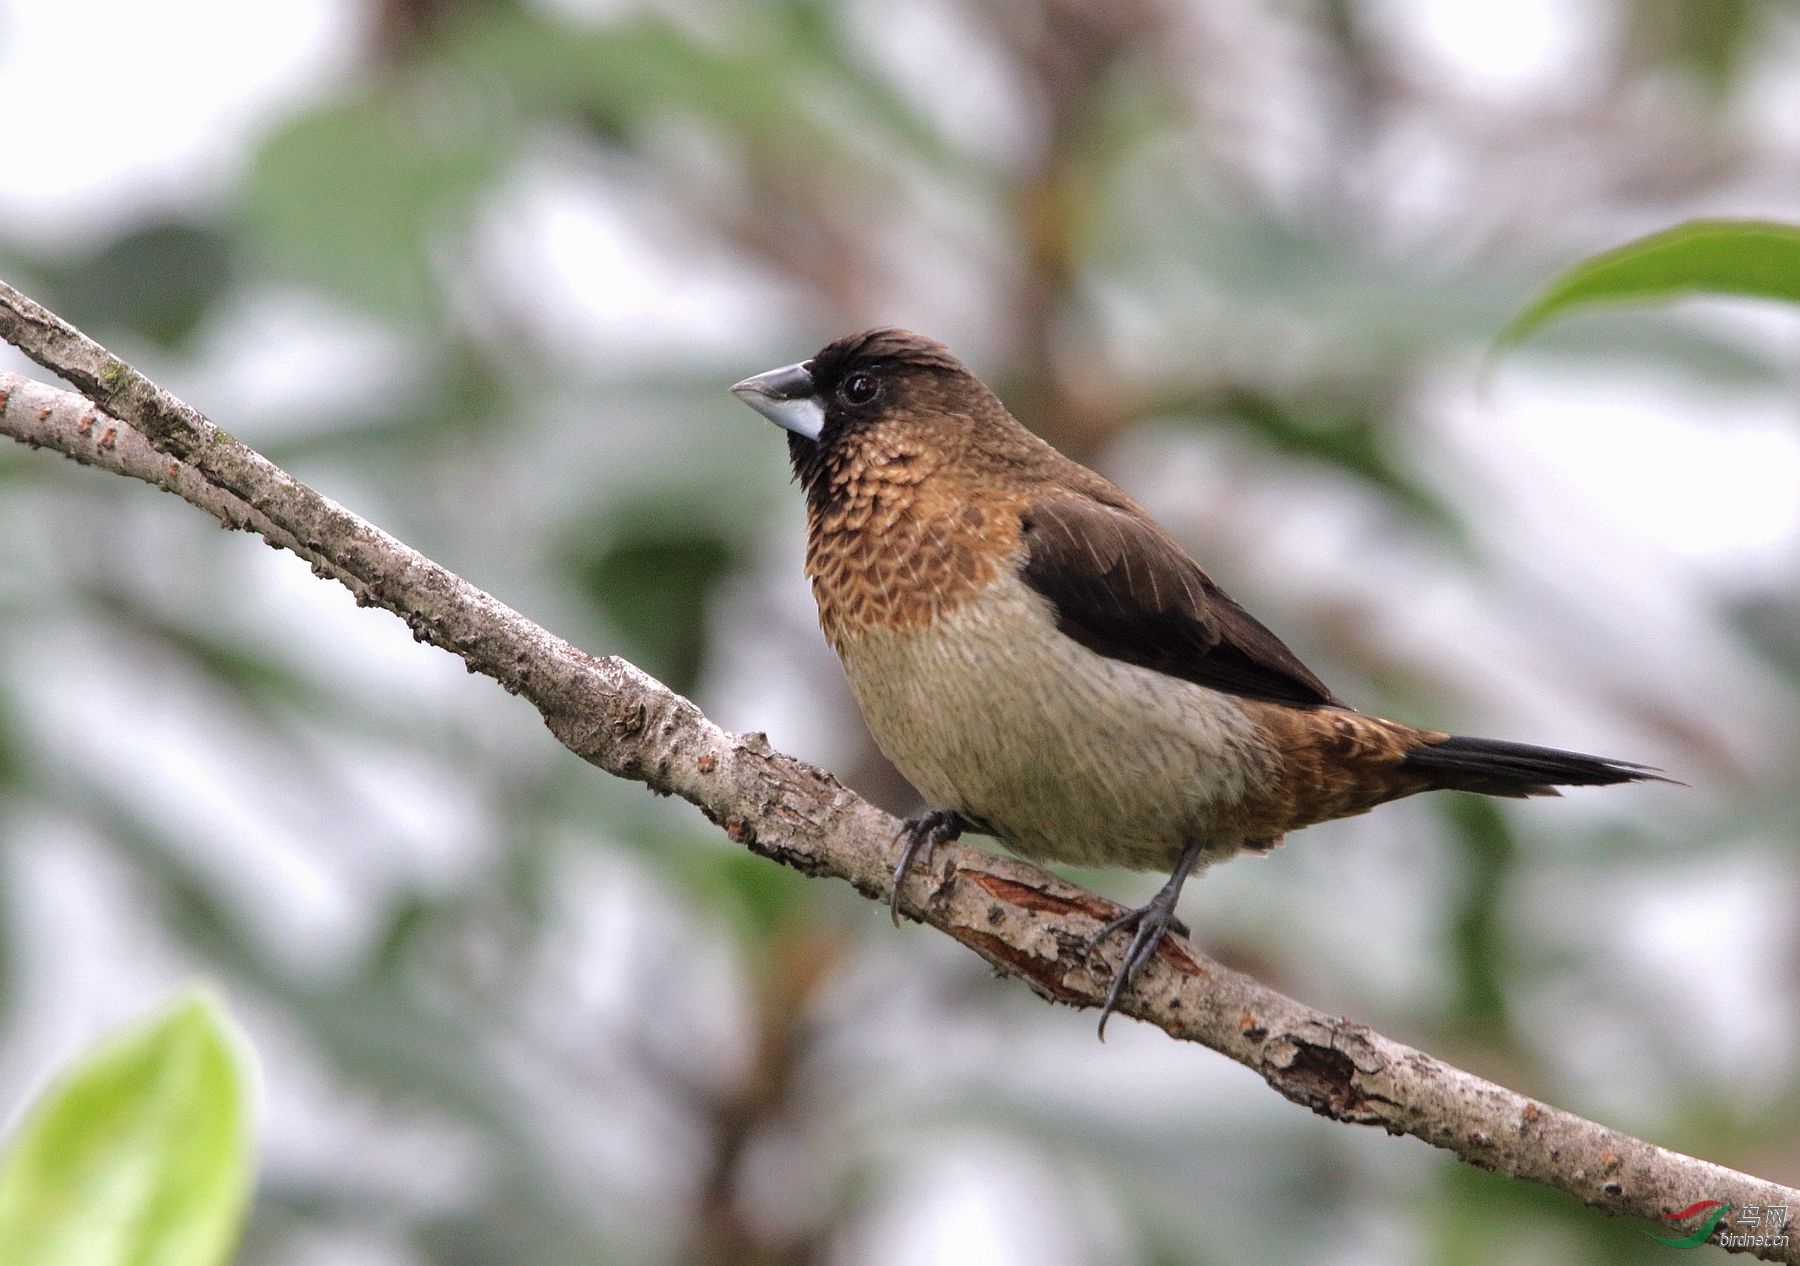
{"type": "Point", "coordinates": [1123, 589]}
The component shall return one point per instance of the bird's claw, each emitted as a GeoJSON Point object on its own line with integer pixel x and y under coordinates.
{"type": "Point", "coordinates": [1150, 925]}
{"type": "Point", "coordinates": [921, 834]}
{"type": "Point", "coordinates": [1131, 919]}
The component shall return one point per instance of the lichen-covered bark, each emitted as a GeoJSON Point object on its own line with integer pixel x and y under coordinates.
{"type": "Point", "coordinates": [1021, 919]}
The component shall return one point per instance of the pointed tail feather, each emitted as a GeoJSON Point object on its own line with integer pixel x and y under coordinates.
{"type": "Point", "coordinates": [1493, 767]}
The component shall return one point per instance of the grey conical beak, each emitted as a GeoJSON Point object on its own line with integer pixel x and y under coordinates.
{"type": "Point", "coordinates": [785, 397]}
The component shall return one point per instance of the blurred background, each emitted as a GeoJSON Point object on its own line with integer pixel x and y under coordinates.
{"type": "Point", "coordinates": [482, 271]}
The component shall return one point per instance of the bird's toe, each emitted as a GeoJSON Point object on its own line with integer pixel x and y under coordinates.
{"type": "Point", "coordinates": [918, 836]}
{"type": "Point", "coordinates": [1151, 925]}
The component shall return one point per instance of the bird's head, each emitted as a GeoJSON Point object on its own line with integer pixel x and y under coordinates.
{"type": "Point", "coordinates": [888, 391]}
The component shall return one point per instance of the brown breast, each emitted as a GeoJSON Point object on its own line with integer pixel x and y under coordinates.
{"type": "Point", "coordinates": [894, 538]}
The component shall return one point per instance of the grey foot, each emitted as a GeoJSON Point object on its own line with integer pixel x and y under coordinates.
{"type": "Point", "coordinates": [922, 834]}
{"type": "Point", "coordinates": [1150, 924]}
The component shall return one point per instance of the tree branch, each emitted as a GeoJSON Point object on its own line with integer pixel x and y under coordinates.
{"type": "Point", "coordinates": [1022, 920]}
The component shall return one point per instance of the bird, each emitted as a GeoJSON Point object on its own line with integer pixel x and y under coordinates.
{"type": "Point", "coordinates": [1047, 666]}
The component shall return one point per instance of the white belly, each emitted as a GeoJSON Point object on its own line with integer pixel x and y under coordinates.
{"type": "Point", "coordinates": [1065, 754]}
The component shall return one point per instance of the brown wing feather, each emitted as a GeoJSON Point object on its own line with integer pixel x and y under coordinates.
{"type": "Point", "coordinates": [1123, 589]}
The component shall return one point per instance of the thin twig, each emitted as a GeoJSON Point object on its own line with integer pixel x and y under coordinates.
{"type": "Point", "coordinates": [1023, 920]}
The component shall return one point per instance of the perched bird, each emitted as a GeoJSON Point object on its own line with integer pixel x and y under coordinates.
{"type": "Point", "coordinates": [1046, 665]}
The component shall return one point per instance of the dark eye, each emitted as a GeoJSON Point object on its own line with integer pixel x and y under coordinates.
{"type": "Point", "coordinates": [860, 388]}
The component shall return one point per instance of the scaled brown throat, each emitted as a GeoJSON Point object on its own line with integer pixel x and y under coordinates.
{"type": "Point", "coordinates": [1046, 665]}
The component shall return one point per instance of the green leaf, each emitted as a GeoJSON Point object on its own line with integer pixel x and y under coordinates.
{"type": "Point", "coordinates": [1754, 258]}
{"type": "Point", "coordinates": [787, 88]}
{"type": "Point", "coordinates": [1482, 957]}
{"type": "Point", "coordinates": [359, 197]}
{"type": "Point", "coordinates": [160, 279]}
{"type": "Point", "coordinates": [760, 900]}
{"type": "Point", "coordinates": [626, 74]}
{"type": "Point", "coordinates": [1347, 436]}
{"type": "Point", "coordinates": [654, 569]}
{"type": "Point", "coordinates": [1709, 42]}
{"type": "Point", "coordinates": [139, 1156]}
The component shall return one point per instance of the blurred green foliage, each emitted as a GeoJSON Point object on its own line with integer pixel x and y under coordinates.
{"type": "Point", "coordinates": [356, 196]}
{"type": "Point", "coordinates": [653, 567]}
{"type": "Point", "coordinates": [158, 280]}
{"type": "Point", "coordinates": [1278, 228]}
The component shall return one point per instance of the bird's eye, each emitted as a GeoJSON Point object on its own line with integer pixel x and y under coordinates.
{"type": "Point", "coordinates": [860, 388]}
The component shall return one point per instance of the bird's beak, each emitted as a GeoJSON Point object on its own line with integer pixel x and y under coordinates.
{"type": "Point", "coordinates": [785, 397]}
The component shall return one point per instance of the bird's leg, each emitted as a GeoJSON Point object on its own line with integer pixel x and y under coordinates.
{"type": "Point", "coordinates": [1151, 923]}
{"type": "Point", "coordinates": [922, 834]}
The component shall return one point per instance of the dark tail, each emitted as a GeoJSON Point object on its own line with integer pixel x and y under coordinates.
{"type": "Point", "coordinates": [1496, 768]}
